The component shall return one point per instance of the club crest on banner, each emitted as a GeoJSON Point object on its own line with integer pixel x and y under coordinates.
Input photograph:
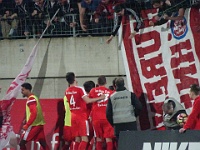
{"type": "Point", "coordinates": [179, 28]}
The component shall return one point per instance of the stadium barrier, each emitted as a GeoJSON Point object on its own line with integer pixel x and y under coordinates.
{"type": "Point", "coordinates": [159, 140]}
{"type": "Point", "coordinates": [59, 28]}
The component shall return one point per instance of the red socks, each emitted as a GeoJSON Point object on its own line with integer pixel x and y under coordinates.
{"type": "Point", "coordinates": [109, 146]}
{"type": "Point", "coordinates": [76, 145]}
{"type": "Point", "coordinates": [83, 145]}
{"type": "Point", "coordinates": [99, 145]}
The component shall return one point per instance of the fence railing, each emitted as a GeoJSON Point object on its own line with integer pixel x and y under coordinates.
{"type": "Point", "coordinates": [62, 26]}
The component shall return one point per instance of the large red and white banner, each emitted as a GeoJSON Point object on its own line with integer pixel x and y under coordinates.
{"type": "Point", "coordinates": [161, 62]}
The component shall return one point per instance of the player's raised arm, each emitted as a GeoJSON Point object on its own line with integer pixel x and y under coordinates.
{"type": "Point", "coordinates": [91, 100]}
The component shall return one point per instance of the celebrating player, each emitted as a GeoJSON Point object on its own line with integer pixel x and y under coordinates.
{"type": "Point", "coordinates": [77, 99]}
{"type": "Point", "coordinates": [193, 121]}
{"type": "Point", "coordinates": [34, 127]}
{"type": "Point", "coordinates": [102, 127]}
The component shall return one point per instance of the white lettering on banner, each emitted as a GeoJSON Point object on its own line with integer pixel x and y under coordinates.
{"type": "Point", "coordinates": [171, 146]}
{"type": "Point", "coordinates": [54, 141]}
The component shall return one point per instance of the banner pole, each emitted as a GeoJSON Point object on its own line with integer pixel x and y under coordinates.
{"type": "Point", "coordinates": [48, 26]}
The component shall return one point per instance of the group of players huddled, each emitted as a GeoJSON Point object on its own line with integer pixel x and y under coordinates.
{"type": "Point", "coordinates": [88, 112]}
{"type": "Point", "coordinates": [95, 115]}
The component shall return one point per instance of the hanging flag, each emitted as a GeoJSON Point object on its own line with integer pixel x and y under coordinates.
{"type": "Point", "coordinates": [162, 62]}
{"type": "Point", "coordinates": [14, 89]}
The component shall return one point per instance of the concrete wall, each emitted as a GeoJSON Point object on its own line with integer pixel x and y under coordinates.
{"type": "Point", "coordinates": [88, 57]}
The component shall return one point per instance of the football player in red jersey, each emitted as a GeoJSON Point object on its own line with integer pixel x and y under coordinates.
{"type": "Point", "coordinates": [78, 99]}
{"type": "Point", "coordinates": [102, 127]}
{"type": "Point", "coordinates": [193, 121]}
{"type": "Point", "coordinates": [88, 85]}
{"type": "Point", "coordinates": [34, 127]}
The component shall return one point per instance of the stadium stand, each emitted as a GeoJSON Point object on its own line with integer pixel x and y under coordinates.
{"type": "Point", "coordinates": [28, 18]}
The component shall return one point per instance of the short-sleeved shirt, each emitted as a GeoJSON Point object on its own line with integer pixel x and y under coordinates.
{"type": "Point", "coordinates": [92, 6]}
{"type": "Point", "coordinates": [77, 105]}
{"type": "Point", "coordinates": [99, 107]}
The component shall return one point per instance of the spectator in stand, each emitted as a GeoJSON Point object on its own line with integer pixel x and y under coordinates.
{"type": "Point", "coordinates": [74, 6]}
{"type": "Point", "coordinates": [122, 109]}
{"type": "Point", "coordinates": [8, 25]}
{"type": "Point", "coordinates": [2, 10]}
{"type": "Point", "coordinates": [79, 4]}
{"type": "Point", "coordinates": [51, 8]}
{"type": "Point", "coordinates": [77, 99]}
{"type": "Point", "coordinates": [195, 3]}
{"type": "Point", "coordinates": [193, 121]}
{"type": "Point", "coordinates": [66, 15]}
{"type": "Point", "coordinates": [90, 6]}
{"type": "Point", "coordinates": [102, 128]}
{"type": "Point", "coordinates": [39, 16]}
{"type": "Point", "coordinates": [106, 6]}
{"type": "Point", "coordinates": [172, 108]}
{"type": "Point", "coordinates": [106, 10]}
{"type": "Point", "coordinates": [167, 9]}
{"type": "Point", "coordinates": [23, 11]}
{"type": "Point", "coordinates": [126, 10]}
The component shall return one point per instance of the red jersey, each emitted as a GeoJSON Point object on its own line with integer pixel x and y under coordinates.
{"type": "Point", "coordinates": [77, 105]}
{"type": "Point", "coordinates": [99, 107]}
{"type": "Point", "coordinates": [193, 121]}
{"type": "Point", "coordinates": [107, 8]}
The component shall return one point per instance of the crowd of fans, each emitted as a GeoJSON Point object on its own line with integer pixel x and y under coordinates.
{"type": "Point", "coordinates": [23, 18]}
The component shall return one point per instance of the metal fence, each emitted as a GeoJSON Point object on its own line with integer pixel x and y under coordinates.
{"type": "Point", "coordinates": [15, 28]}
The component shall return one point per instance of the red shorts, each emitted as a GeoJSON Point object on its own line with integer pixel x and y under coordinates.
{"type": "Point", "coordinates": [68, 134]}
{"type": "Point", "coordinates": [35, 133]}
{"type": "Point", "coordinates": [103, 129]}
{"type": "Point", "coordinates": [80, 127]}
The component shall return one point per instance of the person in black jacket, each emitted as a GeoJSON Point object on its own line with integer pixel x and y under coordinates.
{"type": "Point", "coordinates": [22, 11]}
{"type": "Point", "coordinates": [122, 109]}
{"type": "Point", "coordinates": [167, 11]}
{"type": "Point", "coordinates": [8, 25]}
{"type": "Point", "coordinates": [126, 9]}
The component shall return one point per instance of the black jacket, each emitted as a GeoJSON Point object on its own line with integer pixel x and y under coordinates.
{"type": "Point", "coordinates": [169, 10]}
{"type": "Point", "coordinates": [128, 10]}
